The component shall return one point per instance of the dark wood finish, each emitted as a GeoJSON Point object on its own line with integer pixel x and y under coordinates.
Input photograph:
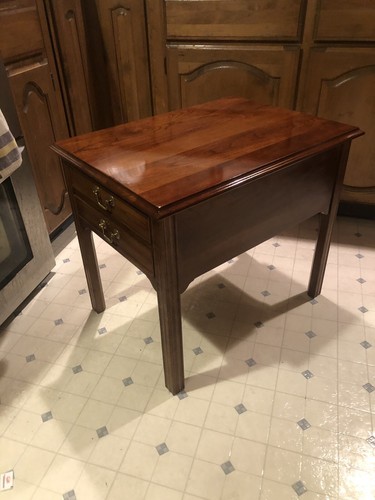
{"type": "Point", "coordinates": [349, 20]}
{"type": "Point", "coordinates": [20, 33]}
{"type": "Point", "coordinates": [213, 180]}
{"type": "Point", "coordinates": [36, 91]}
{"type": "Point", "coordinates": [340, 86]}
{"type": "Point", "coordinates": [43, 122]}
{"type": "Point", "coordinates": [70, 45]}
{"type": "Point", "coordinates": [236, 19]}
{"type": "Point", "coordinates": [123, 26]}
{"type": "Point", "coordinates": [206, 49]}
{"type": "Point", "coordinates": [266, 74]}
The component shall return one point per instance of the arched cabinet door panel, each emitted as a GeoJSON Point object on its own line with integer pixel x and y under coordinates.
{"type": "Point", "coordinates": [43, 123]}
{"type": "Point", "coordinates": [198, 74]}
{"type": "Point", "coordinates": [340, 86]}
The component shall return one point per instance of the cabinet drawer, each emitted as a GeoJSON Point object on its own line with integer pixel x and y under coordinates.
{"type": "Point", "coordinates": [20, 33]}
{"type": "Point", "coordinates": [235, 19]}
{"type": "Point", "coordinates": [109, 205]}
{"type": "Point", "coordinates": [350, 20]}
{"type": "Point", "coordinates": [118, 236]}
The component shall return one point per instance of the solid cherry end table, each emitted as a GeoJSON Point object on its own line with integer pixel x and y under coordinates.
{"type": "Point", "coordinates": [180, 193]}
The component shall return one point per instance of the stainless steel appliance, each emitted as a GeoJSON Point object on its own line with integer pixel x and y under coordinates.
{"type": "Point", "coordinates": [26, 255]}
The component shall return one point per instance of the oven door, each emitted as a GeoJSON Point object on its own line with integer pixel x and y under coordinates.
{"type": "Point", "coordinates": [15, 249]}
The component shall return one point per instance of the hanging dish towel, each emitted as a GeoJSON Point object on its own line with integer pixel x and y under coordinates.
{"type": "Point", "coordinates": [10, 154]}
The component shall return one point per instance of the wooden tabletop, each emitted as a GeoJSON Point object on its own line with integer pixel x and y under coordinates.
{"type": "Point", "coordinates": [171, 161]}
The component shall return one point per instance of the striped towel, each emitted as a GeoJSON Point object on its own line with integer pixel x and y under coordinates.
{"type": "Point", "coordinates": [10, 155]}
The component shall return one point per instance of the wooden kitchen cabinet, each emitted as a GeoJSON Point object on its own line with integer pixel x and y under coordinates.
{"type": "Point", "coordinates": [337, 81]}
{"type": "Point", "coordinates": [207, 49]}
{"type": "Point", "coordinates": [266, 74]}
{"type": "Point", "coordinates": [123, 25]}
{"type": "Point", "coordinates": [43, 122]}
{"type": "Point", "coordinates": [340, 85]}
{"type": "Point", "coordinates": [316, 56]}
{"type": "Point", "coordinates": [35, 87]}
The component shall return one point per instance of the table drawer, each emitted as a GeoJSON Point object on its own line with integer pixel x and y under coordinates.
{"type": "Point", "coordinates": [235, 19]}
{"type": "Point", "coordinates": [109, 205]}
{"type": "Point", "coordinates": [120, 237]}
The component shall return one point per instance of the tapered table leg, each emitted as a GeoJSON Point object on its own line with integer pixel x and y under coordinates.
{"type": "Point", "coordinates": [325, 231]}
{"type": "Point", "coordinates": [169, 304]}
{"type": "Point", "coordinates": [90, 264]}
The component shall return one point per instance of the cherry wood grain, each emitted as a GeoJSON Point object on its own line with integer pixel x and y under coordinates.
{"type": "Point", "coordinates": [171, 161]}
{"type": "Point", "coordinates": [210, 182]}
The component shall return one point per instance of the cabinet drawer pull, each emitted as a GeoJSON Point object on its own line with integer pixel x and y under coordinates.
{"type": "Point", "coordinates": [113, 237]}
{"type": "Point", "coordinates": [108, 204]}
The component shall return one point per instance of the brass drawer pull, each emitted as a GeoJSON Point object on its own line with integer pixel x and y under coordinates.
{"type": "Point", "coordinates": [108, 204]}
{"type": "Point", "coordinates": [113, 237]}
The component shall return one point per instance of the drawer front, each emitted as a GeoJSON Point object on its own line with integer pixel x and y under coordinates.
{"type": "Point", "coordinates": [350, 20]}
{"type": "Point", "coordinates": [20, 33]}
{"type": "Point", "coordinates": [109, 205]}
{"type": "Point", "coordinates": [235, 19]}
{"type": "Point", "coordinates": [118, 236]}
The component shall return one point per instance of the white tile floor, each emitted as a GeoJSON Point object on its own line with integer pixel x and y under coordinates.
{"type": "Point", "coordinates": [279, 401]}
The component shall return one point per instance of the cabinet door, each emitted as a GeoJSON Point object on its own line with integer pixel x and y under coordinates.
{"type": "Point", "coordinates": [43, 122]}
{"type": "Point", "coordinates": [123, 25]}
{"type": "Point", "coordinates": [340, 85]}
{"type": "Point", "coordinates": [197, 74]}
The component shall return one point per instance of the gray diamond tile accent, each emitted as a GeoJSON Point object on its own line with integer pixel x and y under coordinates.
{"type": "Point", "coordinates": [77, 369]}
{"type": "Point", "coordinates": [241, 408]}
{"type": "Point", "coordinates": [47, 416]}
{"type": "Point", "coordinates": [182, 395]}
{"type": "Point", "coordinates": [227, 467]}
{"type": "Point", "coordinates": [66, 261]}
{"type": "Point", "coordinates": [82, 291]}
{"type": "Point", "coordinates": [265, 293]}
{"type": "Point", "coordinates": [139, 272]}
{"type": "Point", "coordinates": [369, 387]}
{"type": "Point", "coordinates": [310, 334]}
{"type": "Point", "coordinates": [127, 381]}
{"type": "Point", "coordinates": [259, 324]}
{"type": "Point", "coordinates": [276, 245]}
{"type": "Point", "coordinates": [313, 302]}
{"type": "Point", "coordinates": [371, 441]}
{"type": "Point", "coordinates": [30, 357]}
{"type": "Point", "coordinates": [299, 488]}
{"type": "Point", "coordinates": [307, 374]}
{"type": "Point", "coordinates": [221, 285]}
{"type": "Point", "coordinates": [148, 340]}
{"type": "Point", "coordinates": [361, 280]}
{"type": "Point", "coordinates": [363, 309]}
{"type": "Point", "coordinates": [230, 261]}
{"type": "Point", "coordinates": [271, 267]}
{"type": "Point", "coordinates": [102, 431]}
{"type": "Point", "coordinates": [365, 344]}
{"type": "Point", "coordinates": [304, 424]}
{"type": "Point", "coordinates": [122, 298]}
{"type": "Point", "coordinates": [211, 315]}
{"type": "Point", "coordinates": [69, 495]}
{"type": "Point", "coordinates": [102, 266]}
{"type": "Point", "coordinates": [359, 256]}
{"type": "Point", "coordinates": [58, 321]}
{"type": "Point", "coordinates": [102, 330]}
{"type": "Point", "coordinates": [197, 350]}
{"type": "Point", "coordinates": [162, 448]}
{"type": "Point", "coordinates": [250, 362]}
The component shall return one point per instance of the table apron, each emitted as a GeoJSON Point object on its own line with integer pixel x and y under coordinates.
{"type": "Point", "coordinates": [216, 230]}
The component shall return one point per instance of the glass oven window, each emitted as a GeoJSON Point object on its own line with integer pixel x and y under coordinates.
{"type": "Point", "coordinates": [15, 249]}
